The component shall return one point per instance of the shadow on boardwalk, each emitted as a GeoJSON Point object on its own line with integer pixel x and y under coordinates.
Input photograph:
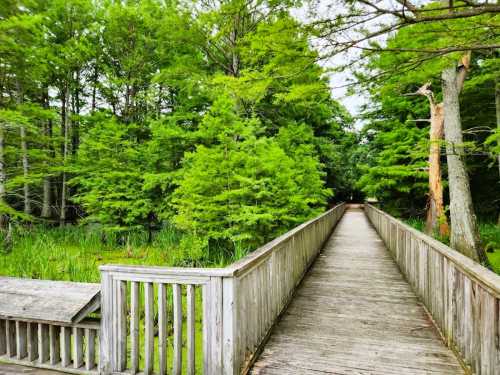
{"type": "Point", "coordinates": [355, 314]}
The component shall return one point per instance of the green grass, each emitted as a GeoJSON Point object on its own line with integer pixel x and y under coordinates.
{"type": "Point", "coordinates": [490, 237]}
{"type": "Point", "coordinates": [75, 253]}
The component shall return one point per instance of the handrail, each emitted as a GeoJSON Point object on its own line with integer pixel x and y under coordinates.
{"type": "Point", "coordinates": [241, 303]}
{"type": "Point", "coordinates": [239, 267]}
{"type": "Point", "coordinates": [461, 295]}
{"type": "Point", "coordinates": [478, 272]}
{"type": "Point", "coordinates": [233, 269]}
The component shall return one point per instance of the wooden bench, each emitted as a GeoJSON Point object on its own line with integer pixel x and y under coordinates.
{"type": "Point", "coordinates": [46, 324]}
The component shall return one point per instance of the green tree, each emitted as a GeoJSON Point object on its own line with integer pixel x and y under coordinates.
{"type": "Point", "coordinates": [109, 172]}
{"type": "Point", "coordinates": [243, 188]}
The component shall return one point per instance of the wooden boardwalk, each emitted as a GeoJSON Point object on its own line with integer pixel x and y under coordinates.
{"type": "Point", "coordinates": [355, 314]}
{"type": "Point", "coordinates": [9, 369]}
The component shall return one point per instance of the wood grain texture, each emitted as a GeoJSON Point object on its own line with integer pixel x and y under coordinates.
{"type": "Point", "coordinates": [461, 295]}
{"type": "Point", "coordinates": [177, 367]}
{"type": "Point", "coordinates": [11, 369]}
{"type": "Point", "coordinates": [45, 300]}
{"type": "Point", "coordinates": [266, 283]}
{"type": "Point", "coordinates": [149, 338]}
{"type": "Point", "coordinates": [134, 327]}
{"type": "Point", "coordinates": [354, 313]}
{"type": "Point", "coordinates": [162, 328]}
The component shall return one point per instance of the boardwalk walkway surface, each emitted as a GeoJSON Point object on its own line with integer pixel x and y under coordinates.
{"type": "Point", "coordinates": [8, 369]}
{"type": "Point", "coordinates": [355, 314]}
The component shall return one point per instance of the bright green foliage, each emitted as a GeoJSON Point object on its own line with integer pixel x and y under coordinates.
{"type": "Point", "coordinates": [110, 167]}
{"type": "Point", "coordinates": [244, 188]}
{"type": "Point", "coordinates": [141, 114]}
{"type": "Point", "coordinates": [397, 171]}
{"type": "Point", "coordinates": [299, 144]}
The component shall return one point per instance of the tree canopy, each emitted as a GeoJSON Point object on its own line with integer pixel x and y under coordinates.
{"type": "Point", "coordinates": [216, 118]}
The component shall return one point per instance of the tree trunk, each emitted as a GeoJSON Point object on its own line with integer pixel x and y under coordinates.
{"type": "Point", "coordinates": [24, 154]}
{"type": "Point", "coordinates": [3, 177]}
{"type": "Point", "coordinates": [75, 125]}
{"type": "Point", "coordinates": [497, 104]}
{"type": "Point", "coordinates": [46, 199]}
{"type": "Point", "coordinates": [233, 40]}
{"type": "Point", "coordinates": [94, 88]}
{"type": "Point", "coordinates": [436, 218]}
{"type": "Point", "coordinates": [26, 187]}
{"type": "Point", "coordinates": [65, 130]}
{"type": "Point", "coordinates": [464, 231]}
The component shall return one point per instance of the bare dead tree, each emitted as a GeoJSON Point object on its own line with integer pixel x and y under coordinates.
{"type": "Point", "coordinates": [436, 218]}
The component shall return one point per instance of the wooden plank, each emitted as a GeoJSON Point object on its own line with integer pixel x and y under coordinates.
{"type": "Point", "coordinates": [66, 346]}
{"type": "Point", "coordinates": [134, 326]}
{"type": "Point", "coordinates": [216, 325]}
{"type": "Point", "coordinates": [207, 318]}
{"type": "Point", "coordinates": [32, 342]}
{"type": "Point", "coordinates": [462, 297]}
{"type": "Point", "coordinates": [366, 318]}
{"type": "Point", "coordinates": [488, 279]}
{"type": "Point", "coordinates": [162, 328]}
{"type": "Point", "coordinates": [252, 260]}
{"type": "Point", "coordinates": [45, 300]}
{"type": "Point", "coordinates": [121, 333]}
{"type": "Point", "coordinates": [21, 340]}
{"type": "Point", "coordinates": [77, 347]}
{"type": "Point", "coordinates": [191, 329]}
{"type": "Point", "coordinates": [488, 332]}
{"type": "Point", "coordinates": [3, 345]}
{"type": "Point", "coordinates": [15, 367]}
{"type": "Point", "coordinates": [106, 344]}
{"type": "Point", "coordinates": [43, 343]}
{"type": "Point", "coordinates": [177, 367]}
{"type": "Point", "coordinates": [90, 338]}
{"type": "Point", "coordinates": [148, 328]}
{"type": "Point", "coordinates": [10, 338]}
{"type": "Point", "coordinates": [54, 344]}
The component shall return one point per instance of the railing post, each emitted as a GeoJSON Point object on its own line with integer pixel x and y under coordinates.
{"type": "Point", "coordinates": [212, 326]}
{"type": "Point", "coordinates": [106, 336]}
{"type": "Point", "coordinates": [229, 326]}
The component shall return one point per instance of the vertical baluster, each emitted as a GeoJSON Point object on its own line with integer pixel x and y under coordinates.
{"type": "Point", "coordinates": [10, 337]}
{"type": "Point", "coordinates": [32, 341]}
{"type": "Point", "coordinates": [212, 323]}
{"type": "Point", "coordinates": [149, 328]}
{"type": "Point", "coordinates": [206, 297]}
{"type": "Point", "coordinates": [90, 349]}
{"type": "Point", "coordinates": [43, 343]}
{"type": "Point", "coordinates": [66, 346]}
{"type": "Point", "coordinates": [3, 344]}
{"type": "Point", "coordinates": [177, 329]}
{"type": "Point", "coordinates": [122, 324]}
{"type": "Point", "coordinates": [21, 340]}
{"type": "Point", "coordinates": [162, 327]}
{"type": "Point", "coordinates": [55, 344]}
{"type": "Point", "coordinates": [134, 327]}
{"type": "Point", "coordinates": [77, 347]}
{"type": "Point", "coordinates": [191, 327]}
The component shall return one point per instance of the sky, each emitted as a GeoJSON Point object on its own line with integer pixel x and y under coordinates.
{"type": "Point", "coordinates": [353, 102]}
{"type": "Point", "coordinates": [338, 81]}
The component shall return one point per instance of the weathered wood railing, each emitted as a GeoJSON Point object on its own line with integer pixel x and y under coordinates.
{"type": "Point", "coordinates": [461, 295]}
{"type": "Point", "coordinates": [64, 347]}
{"type": "Point", "coordinates": [240, 304]}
